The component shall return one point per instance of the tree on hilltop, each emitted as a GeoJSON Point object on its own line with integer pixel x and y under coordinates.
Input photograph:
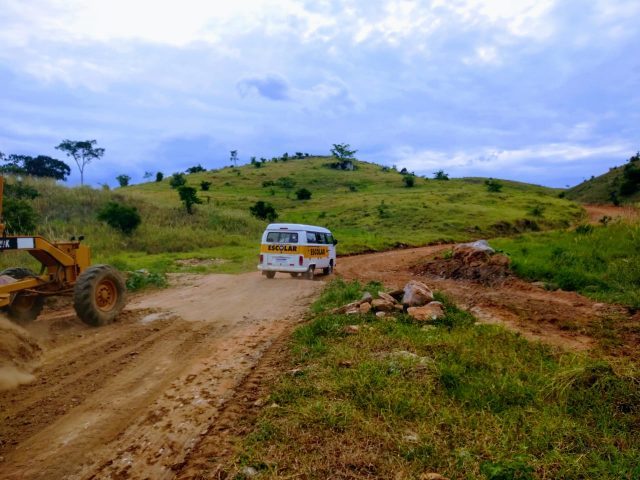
{"type": "Point", "coordinates": [83, 153]}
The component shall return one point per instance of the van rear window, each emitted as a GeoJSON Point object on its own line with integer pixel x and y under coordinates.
{"type": "Point", "coordinates": [282, 237]}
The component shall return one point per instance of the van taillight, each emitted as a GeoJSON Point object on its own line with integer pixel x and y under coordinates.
{"type": "Point", "coordinates": [261, 258]}
{"type": "Point", "coordinates": [300, 260]}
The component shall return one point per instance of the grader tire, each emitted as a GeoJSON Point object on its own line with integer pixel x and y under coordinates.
{"type": "Point", "coordinates": [24, 307]}
{"type": "Point", "coordinates": [99, 295]}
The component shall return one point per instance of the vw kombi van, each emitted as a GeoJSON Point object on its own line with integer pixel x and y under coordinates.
{"type": "Point", "coordinates": [297, 249]}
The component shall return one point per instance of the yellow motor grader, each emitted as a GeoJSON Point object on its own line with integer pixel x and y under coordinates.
{"type": "Point", "coordinates": [98, 290]}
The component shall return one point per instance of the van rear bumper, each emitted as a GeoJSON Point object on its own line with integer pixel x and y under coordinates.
{"type": "Point", "coordinates": [274, 268]}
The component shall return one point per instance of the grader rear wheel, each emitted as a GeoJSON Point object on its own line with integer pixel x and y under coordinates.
{"type": "Point", "coordinates": [99, 295]}
{"type": "Point", "coordinates": [24, 307]}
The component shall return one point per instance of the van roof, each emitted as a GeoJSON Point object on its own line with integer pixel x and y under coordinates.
{"type": "Point", "coordinates": [296, 226]}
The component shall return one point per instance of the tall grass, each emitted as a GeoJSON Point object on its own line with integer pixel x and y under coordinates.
{"type": "Point", "coordinates": [601, 262]}
{"type": "Point", "coordinates": [468, 401]}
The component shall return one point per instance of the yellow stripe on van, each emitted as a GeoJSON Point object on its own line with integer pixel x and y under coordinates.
{"type": "Point", "coordinates": [287, 249]}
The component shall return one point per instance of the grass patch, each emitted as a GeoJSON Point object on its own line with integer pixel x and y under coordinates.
{"type": "Point", "coordinates": [600, 262]}
{"type": "Point", "coordinates": [469, 401]}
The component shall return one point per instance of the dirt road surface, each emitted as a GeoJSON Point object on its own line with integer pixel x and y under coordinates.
{"type": "Point", "coordinates": [133, 399]}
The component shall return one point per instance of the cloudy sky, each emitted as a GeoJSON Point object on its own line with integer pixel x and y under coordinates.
{"type": "Point", "coordinates": [545, 91]}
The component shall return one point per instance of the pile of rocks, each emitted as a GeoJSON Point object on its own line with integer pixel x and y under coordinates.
{"type": "Point", "coordinates": [416, 299]}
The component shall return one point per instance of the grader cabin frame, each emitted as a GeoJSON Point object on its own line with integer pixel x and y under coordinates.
{"type": "Point", "coordinates": [98, 290]}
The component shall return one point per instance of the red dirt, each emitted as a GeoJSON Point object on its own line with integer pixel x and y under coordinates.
{"type": "Point", "coordinates": [597, 212]}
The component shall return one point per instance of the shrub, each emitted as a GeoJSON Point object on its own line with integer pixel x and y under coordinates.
{"type": "Point", "coordinates": [440, 175]}
{"type": "Point", "coordinates": [494, 186]}
{"type": "Point", "coordinates": [123, 180]}
{"type": "Point", "coordinates": [196, 169]}
{"type": "Point", "coordinates": [143, 279]}
{"type": "Point", "coordinates": [19, 216]}
{"type": "Point", "coordinates": [409, 180]}
{"type": "Point", "coordinates": [20, 191]}
{"type": "Point", "coordinates": [537, 210]}
{"type": "Point", "coordinates": [177, 180]}
{"type": "Point", "coordinates": [268, 183]}
{"type": "Point", "coordinates": [204, 185]}
{"type": "Point", "coordinates": [121, 217]}
{"type": "Point", "coordinates": [188, 197]}
{"type": "Point", "coordinates": [263, 211]}
{"type": "Point", "coordinates": [159, 176]}
{"type": "Point", "coordinates": [303, 194]}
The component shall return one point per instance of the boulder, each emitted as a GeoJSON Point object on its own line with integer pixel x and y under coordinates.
{"type": "Point", "coordinates": [416, 294]}
{"type": "Point", "coordinates": [431, 311]}
{"type": "Point", "coordinates": [399, 307]}
{"type": "Point", "coordinates": [382, 305]}
{"type": "Point", "coordinates": [365, 307]}
{"type": "Point", "coordinates": [473, 253]}
{"type": "Point", "coordinates": [366, 298]}
{"type": "Point", "coordinates": [381, 314]}
{"type": "Point", "coordinates": [387, 297]}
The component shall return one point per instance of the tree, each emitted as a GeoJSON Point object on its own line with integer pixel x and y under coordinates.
{"type": "Point", "coordinates": [40, 166]}
{"type": "Point", "coordinates": [342, 151]}
{"type": "Point", "coordinates": [147, 175]}
{"type": "Point", "coordinates": [303, 194]}
{"type": "Point", "coordinates": [177, 180]}
{"type": "Point", "coordinates": [123, 180]}
{"type": "Point", "coordinates": [234, 157]}
{"type": "Point", "coordinates": [440, 175]}
{"type": "Point", "coordinates": [287, 183]}
{"type": "Point", "coordinates": [19, 216]}
{"type": "Point", "coordinates": [204, 185]}
{"type": "Point", "coordinates": [82, 152]}
{"type": "Point", "coordinates": [263, 211]}
{"type": "Point", "coordinates": [121, 217]}
{"type": "Point", "coordinates": [188, 197]}
{"type": "Point", "coordinates": [159, 176]}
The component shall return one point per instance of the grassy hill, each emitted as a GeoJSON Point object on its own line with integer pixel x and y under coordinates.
{"type": "Point", "coordinates": [369, 208]}
{"type": "Point", "coordinates": [604, 188]}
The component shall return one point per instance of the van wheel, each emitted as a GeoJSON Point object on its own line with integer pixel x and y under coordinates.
{"type": "Point", "coordinates": [309, 274]}
{"type": "Point", "coordinates": [294, 274]}
{"type": "Point", "coordinates": [328, 270]}
{"type": "Point", "coordinates": [270, 274]}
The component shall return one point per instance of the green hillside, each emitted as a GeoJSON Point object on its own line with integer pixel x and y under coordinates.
{"type": "Point", "coordinates": [605, 188]}
{"type": "Point", "coordinates": [369, 208]}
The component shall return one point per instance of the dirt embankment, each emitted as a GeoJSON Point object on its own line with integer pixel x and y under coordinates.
{"type": "Point", "coordinates": [135, 399]}
{"type": "Point", "coordinates": [19, 355]}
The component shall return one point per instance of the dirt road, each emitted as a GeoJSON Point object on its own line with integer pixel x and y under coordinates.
{"type": "Point", "coordinates": [131, 400]}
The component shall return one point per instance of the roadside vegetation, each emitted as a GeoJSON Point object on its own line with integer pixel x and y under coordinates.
{"type": "Point", "coordinates": [601, 262]}
{"type": "Point", "coordinates": [400, 399]}
{"type": "Point", "coordinates": [211, 221]}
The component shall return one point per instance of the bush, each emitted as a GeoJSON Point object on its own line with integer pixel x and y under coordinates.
{"type": "Point", "coordinates": [440, 175]}
{"type": "Point", "coordinates": [143, 279]}
{"type": "Point", "coordinates": [121, 217]}
{"type": "Point", "coordinates": [177, 180]}
{"type": "Point", "coordinates": [123, 180]}
{"type": "Point", "coordinates": [409, 180]}
{"type": "Point", "coordinates": [303, 194]}
{"type": "Point", "coordinates": [204, 186]}
{"type": "Point", "coordinates": [19, 216]}
{"type": "Point", "coordinates": [159, 176]}
{"type": "Point", "coordinates": [494, 186]}
{"type": "Point", "coordinates": [263, 211]}
{"type": "Point", "coordinates": [196, 169]}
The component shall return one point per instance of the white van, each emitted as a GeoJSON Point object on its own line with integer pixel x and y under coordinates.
{"type": "Point", "coordinates": [297, 249]}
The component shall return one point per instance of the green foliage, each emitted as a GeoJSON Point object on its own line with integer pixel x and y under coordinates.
{"type": "Point", "coordinates": [494, 186]}
{"type": "Point", "coordinates": [263, 211]}
{"type": "Point", "coordinates": [303, 194]}
{"type": "Point", "coordinates": [196, 169]}
{"type": "Point", "coordinates": [19, 216]}
{"type": "Point", "coordinates": [342, 151]}
{"type": "Point", "coordinates": [177, 180]}
{"type": "Point", "coordinates": [159, 176]}
{"type": "Point", "coordinates": [141, 279]}
{"type": "Point", "coordinates": [409, 180]}
{"type": "Point", "coordinates": [600, 262]}
{"type": "Point", "coordinates": [123, 180]}
{"type": "Point", "coordinates": [457, 398]}
{"type": "Point", "coordinates": [20, 190]}
{"type": "Point", "coordinates": [537, 210]}
{"type": "Point", "coordinates": [83, 153]}
{"type": "Point", "coordinates": [287, 183]}
{"type": "Point", "coordinates": [205, 185]}
{"type": "Point", "coordinates": [188, 197]}
{"type": "Point", "coordinates": [40, 166]}
{"type": "Point", "coordinates": [121, 217]}
{"type": "Point", "coordinates": [440, 175]}
{"type": "Point", "coordinates": [631, 176]}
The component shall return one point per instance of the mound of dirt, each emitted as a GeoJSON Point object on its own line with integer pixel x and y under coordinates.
{"type": "Point", "coordinates": [19, 353]}
{"type": "Point", "coordinates": [470, 263]}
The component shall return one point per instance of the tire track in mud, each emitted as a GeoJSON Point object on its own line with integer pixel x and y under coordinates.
{"type": "Point", "coordinates": [131, 400]}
